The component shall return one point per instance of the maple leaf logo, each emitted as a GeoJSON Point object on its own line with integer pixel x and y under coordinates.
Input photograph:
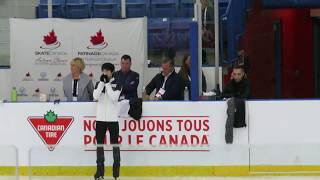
{"type": "Point", "coordinates": [98, 41]}
{"type": "Point", "coordinates": [51, 38]}
{"type": "Point", "coordinates": [50, 117]}
{"type": "Point", "coordinates": [51, 41]}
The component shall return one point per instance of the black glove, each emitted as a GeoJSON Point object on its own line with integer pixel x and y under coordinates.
{"type": "Point", "coordinates": [104, 78]}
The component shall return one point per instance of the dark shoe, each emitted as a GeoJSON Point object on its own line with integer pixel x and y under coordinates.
{"type": "Point", "coordinates": [116, 171]}
{"type": "Point", "coordinates": [98, 178]}
{"type": "Point", "coordinates": [100, 170]}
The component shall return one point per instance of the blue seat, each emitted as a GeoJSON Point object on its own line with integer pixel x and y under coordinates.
{"type": "Point", "coordinates": [290, 3]}
{"type": "Point", "coordinates": [57, 9]}
{"type": "Point", "coordinates": [179, 33]}
{"type": "Point", "coordinates": [137, 8]}
{"type": "Point", "coordinates": [248, 4]}
{"type": "Point", "coordinates": [279, 4]}
{"type": "Point", "coordinates": [106, 9]}
{"type": "Point", "coordinates": [223, 5]}
{"type": "Point", "coordinates": [78, 9]}
{"type": "Point", "coordinates": [309, 3]}
{"type": "Point", "coordinates": [186, 8]}
{"type": "Point", "coordinates": [164, 8]}
{"type": "Point", "coordinates": [158, 33]}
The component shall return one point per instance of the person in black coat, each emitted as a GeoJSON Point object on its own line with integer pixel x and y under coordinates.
{"type": "Point", "coordinates": [168, 84]}
{"type": "Point", "coordinates": [237, 91]}
{"type": "Point", "coordinates": [128, 79]}
{"type": "Point", "coordinates": [238, 86]}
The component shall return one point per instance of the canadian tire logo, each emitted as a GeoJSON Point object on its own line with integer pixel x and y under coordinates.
{"type": "Point", "coordinates": [50, 127]}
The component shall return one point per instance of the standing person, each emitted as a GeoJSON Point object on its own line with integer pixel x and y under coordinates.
{"type": "Point", "coordinates": [185, 74]}
{"type": "Point", "coordinates": [77, 86]}
{"type": "Point", "coordinates": [128, 79]}
{"type": "Point", "coordinates": [168, 84]}
{"type": "Point", "coordinates": [237, 91]}
{"type": "Point", "coordinates": [107, 92]}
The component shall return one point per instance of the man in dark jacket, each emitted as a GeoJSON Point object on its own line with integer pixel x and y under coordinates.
{"type": "Point", "coordinates": [237, 91]}
{"type": "Point", "coordinates": [128, 79]}
{"type": "Point", "coordinates": [168, 84]}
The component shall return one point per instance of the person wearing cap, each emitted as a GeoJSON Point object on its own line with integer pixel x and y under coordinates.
{"type": "Point", "coordinates": [107, 93]}
{"type": "Point", "coordinates": [77, 86]}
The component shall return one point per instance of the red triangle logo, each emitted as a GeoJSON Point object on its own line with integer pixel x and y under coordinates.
{"type": "Point", "coordinates": [50, 127]}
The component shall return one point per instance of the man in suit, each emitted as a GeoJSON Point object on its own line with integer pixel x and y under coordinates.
{"type": "Point", "coordinates": [77, 86]}
{"type": "Point", "coordinates": [168, 84]}
{"type": "Point", "coordinates": [128, 79]}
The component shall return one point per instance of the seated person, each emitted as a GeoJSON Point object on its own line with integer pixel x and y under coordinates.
{"type": "Point", "coordinates": [77, 86]}
{"type": "Point", "coordinates": [185, 74]}
{"type": "Point", "coordinates": [168, 84]}
{"type": "Point", "coordinates": [236, 90]}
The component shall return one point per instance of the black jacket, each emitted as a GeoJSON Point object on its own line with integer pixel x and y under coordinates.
{"type": "Point", "coordinates": [174, 87]}
{"type": "Point", "coordinates": [238, 90]}
{"type": "Point", "coordinates": [129, 82]}
{"type": "Point", "coordinates": [135, 110]}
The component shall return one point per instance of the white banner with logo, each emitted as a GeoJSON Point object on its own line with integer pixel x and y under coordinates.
{"type": "Point", "coordinates": [41, 50]}
{"type": "Point", "coordinates": [170, 133]}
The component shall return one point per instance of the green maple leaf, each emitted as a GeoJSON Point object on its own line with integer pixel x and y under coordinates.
{"type": "Point", "coordinates": [51, 117]}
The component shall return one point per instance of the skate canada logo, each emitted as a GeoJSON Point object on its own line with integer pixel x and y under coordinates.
{"type": "Point", "coordinates": [91, 76]}
{"type": "Point", "coordinates": [43, 77]}
{"type": "Point", "coordinates": [96, 52]}
{"type": "Point", "coordinates": [53, 92]}
{"type": "Point", "coordinates": [27, 77]}
{"type": "Point", "coordinates": [22, 91]}
{"type": "Point", "coordinates": [58, 77]}
{"type": "Point", "coordinates": [97, 41]}
{"type": "Point", "coordinates": [36, 92]}
{"type": "Point", "coordinates": [51, 41]}
{"type": "Point", "coordinates": [50, 127]}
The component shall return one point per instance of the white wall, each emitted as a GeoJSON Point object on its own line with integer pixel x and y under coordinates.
{"type": "Point", "coordinates": [278, 132]}
{"type": "Point", "coordinates": [284, 132]}
{"type": "Point", "coordinates": [203, 120]}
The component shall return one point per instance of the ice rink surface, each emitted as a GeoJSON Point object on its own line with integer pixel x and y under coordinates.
{"type": "Point", "coordinates": [171, 178]}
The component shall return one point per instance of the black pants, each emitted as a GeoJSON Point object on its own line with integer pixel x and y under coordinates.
{"type": "Point", "coordinates": [101, 129]}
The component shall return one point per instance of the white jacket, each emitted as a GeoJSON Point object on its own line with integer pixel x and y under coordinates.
{"type": "Point", "coordinates": [107, 105]}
